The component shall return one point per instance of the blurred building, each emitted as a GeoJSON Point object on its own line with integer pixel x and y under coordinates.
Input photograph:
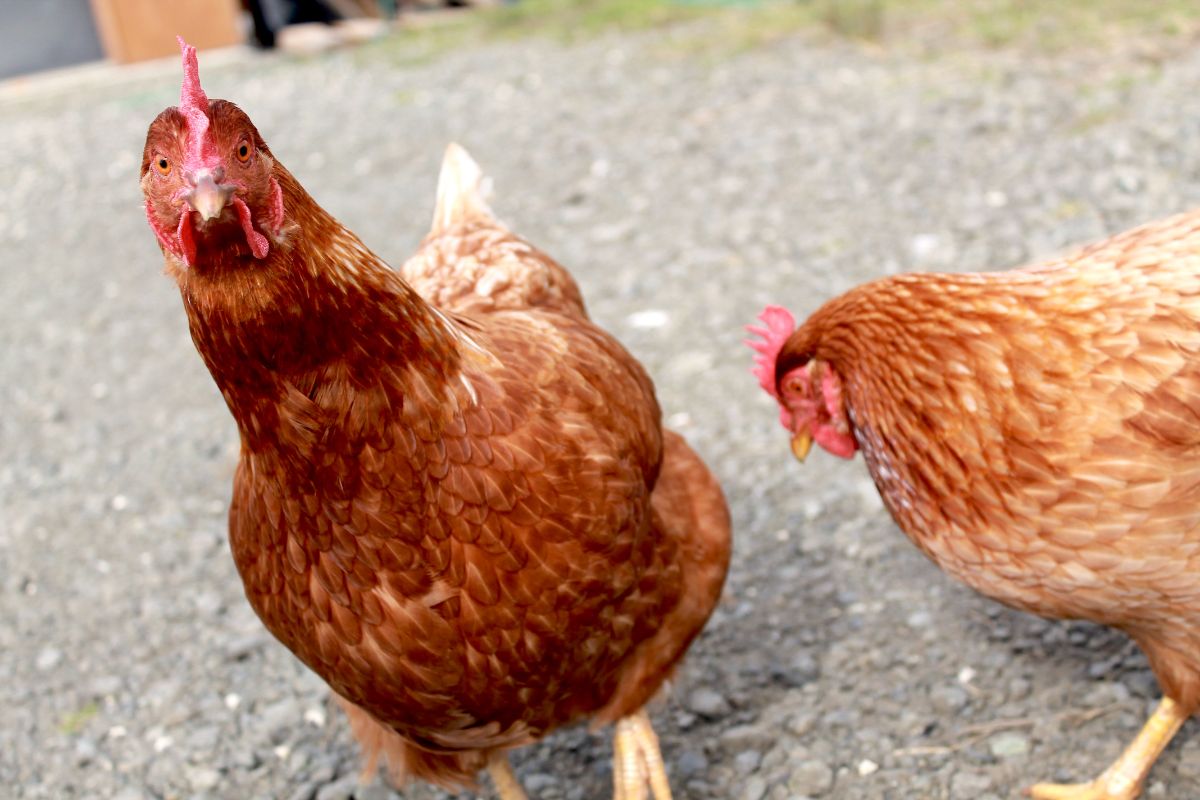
{"type": "Point", "coordinates": [46, 34]}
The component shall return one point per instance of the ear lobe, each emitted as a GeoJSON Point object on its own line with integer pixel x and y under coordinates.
{"type": "Point", "coordinates": [831, 390]}
{"type": "Point", "coordinates": [276, 207]}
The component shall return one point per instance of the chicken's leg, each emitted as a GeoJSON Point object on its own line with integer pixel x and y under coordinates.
{"type": "Point", "coordinates": [1123, 780]}
{"type": "Point", "coordinates": [506, 782]}
{"type": "Point", "coordinates": [637, 761]}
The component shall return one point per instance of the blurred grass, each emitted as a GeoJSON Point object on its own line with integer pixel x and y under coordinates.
{"type": "Point", "coordinates": [74, 722]}
{"type": "Point", "coordinates": [929, 25]}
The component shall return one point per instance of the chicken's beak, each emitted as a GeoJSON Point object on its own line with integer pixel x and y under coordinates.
{"type": "Point", "coordinates": [801, 444]}
{"type": "Point", "coordinates": [208, 197]}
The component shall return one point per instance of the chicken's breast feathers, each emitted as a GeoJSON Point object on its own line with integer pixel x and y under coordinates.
{"type": "Point", "coordinates": [450, 551]}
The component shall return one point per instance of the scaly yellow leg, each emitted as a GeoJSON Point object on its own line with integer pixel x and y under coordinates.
{"type": "Point", "coordinates": [1123, 780]}
{"type": "Point", "coordinates": [506, 782]}
{"type": "Point", "coordinates": [637, 761]}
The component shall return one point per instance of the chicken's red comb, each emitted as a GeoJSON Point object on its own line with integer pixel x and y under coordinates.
{"type": "Point", "coordinates": [193, 102]}
{"type": "Point", "coordinates": [778, 326]}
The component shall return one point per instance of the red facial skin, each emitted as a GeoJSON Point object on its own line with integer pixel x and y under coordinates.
{"type": "Point", "coordinates": [810, 396]}
{"type": "Point", "coordinates": [811, 400]}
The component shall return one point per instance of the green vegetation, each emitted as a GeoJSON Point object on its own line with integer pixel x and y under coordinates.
{"type": "Point", "coordinates": [929, 25]}
{"type": "Point", "coordinates": [73, 722]}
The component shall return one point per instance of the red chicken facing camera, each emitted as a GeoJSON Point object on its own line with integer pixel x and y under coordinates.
{"type": "Point", "coordinates": [455, 500]}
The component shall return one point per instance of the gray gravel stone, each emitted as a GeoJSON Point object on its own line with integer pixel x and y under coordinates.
{"type": "Point", "coordinates": [306, 791]}
{"type": "Point", "coordinates": [1189, 759]}
{"type": "Point", "coordinates": [739, 738]}
{"type": "Point", "coordinates": [747, 761]}
{"type": "Point", "coordinates": [378, 791]}
{"type": "Point", "coordinates": [1009, 745]}
{"type": "Point", "coordinates": [919, 619]}
{"type": "Point", "coordinates": [203, 779]}
{"type": "Point", "coordinates": [811, 778]}
{"type": "Point", "coordinates": [755, 789]}
{"type": "Point", "coordinates": [708, 703]}
{"type": "Point", "coordinates": [539, 783]}
{"type": "Point", "coordinates": [691, 763]}
{"type": "Point", "coordinates": [49, 658]}
{"type": "Point", "coordinates": [105, 685]}
{"type": "Point", "coordinates": [801, 723]}
{"type": "Point", "coordinates": [341, 789]}
{"type": "Point", "coordinates": [277, 720]}
{"type": "Point", "coordinates": [969, 784]}
{"type": "Point", "coordinates": [130, 793]}
{"type": "Point", "coordinates": [948, 700]}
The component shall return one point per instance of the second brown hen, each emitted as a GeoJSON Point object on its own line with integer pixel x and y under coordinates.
{"type": "Point", "coordinates": [1037, 434]}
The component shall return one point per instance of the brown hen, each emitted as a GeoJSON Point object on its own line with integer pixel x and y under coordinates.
{"type": "Point", "coordinates": [1036, 433]}
{"type": "Point", "coordinates": [468, 519]}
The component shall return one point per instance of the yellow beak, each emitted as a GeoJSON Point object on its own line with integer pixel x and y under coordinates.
{"type": "Point", "coordinates": [801, 444]}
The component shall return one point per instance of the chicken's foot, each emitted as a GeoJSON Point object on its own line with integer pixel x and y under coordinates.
{"type": "Point", "coordinates": [507, 785]}
{"type": "Point", "coordinates": [637, 761]}
{"type": "Point", "coordinates": [1123, 780]}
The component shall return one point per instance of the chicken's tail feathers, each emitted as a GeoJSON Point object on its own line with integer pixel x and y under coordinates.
{"type": "Point", "coordinates": [462, 190]}
{"type": "Point", "coordinates": [452, 767]}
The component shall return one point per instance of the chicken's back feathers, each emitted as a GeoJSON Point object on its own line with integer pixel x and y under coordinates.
{"type": "Point", "coordinates": [1037, 432]}
{"type": "Point", "coordinates": [471, 262]}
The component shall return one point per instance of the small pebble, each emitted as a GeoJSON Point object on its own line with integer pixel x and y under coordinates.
{"type": "Point", "coordinates": [811, 778]}
{"type": "Point", "coordinates": [48, 658]}
{"type": "Point", "coordinates": [708, 703]}
{"type": "Point", "coordinates": [691, 763]}
{"type": "Point", "coordinates": [755, 789]}
{"type": "Point", "coordinates": [341, 789]}
{"type": "Point", "coordinates": [747, 761]}
{"type": "Point", "coordinates": [203, 778]}
{"type": "Point", "coordinates": [919, 619]}
{"type": "Point", "coordinates": [1008, 745]}
{"type": "Point", "coordinates": [948, 700]}
{"type": "Point", "coordinates": [538, 783]}
{"type": "Point", "coordinates": [969, 784]}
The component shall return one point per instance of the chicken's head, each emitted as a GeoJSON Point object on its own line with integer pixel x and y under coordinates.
{"type": "Point", "coordinates": [811, 403]}
{"type": "Point", "coordinates": [208, 177]}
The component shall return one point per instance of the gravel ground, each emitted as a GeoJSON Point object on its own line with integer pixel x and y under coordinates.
{"type": "Point", "coordinates": [685, 192]}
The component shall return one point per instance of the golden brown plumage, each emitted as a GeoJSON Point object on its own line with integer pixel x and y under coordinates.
{"type": "Point", "coordinates": [470, 262]}
{"type": "Point", "coordinates": [468, 520]}
{"type": "Point", "coordinates": [1035, 432]}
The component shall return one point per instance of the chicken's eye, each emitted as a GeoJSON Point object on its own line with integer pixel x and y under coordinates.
{"type": "Point", "coordinates": [163, 166]}
{"type": "Point", "coordinates": [243, 152]}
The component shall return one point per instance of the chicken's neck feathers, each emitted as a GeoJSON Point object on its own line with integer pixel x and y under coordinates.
{"type": "Point", "coordinates": [321, 306]}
